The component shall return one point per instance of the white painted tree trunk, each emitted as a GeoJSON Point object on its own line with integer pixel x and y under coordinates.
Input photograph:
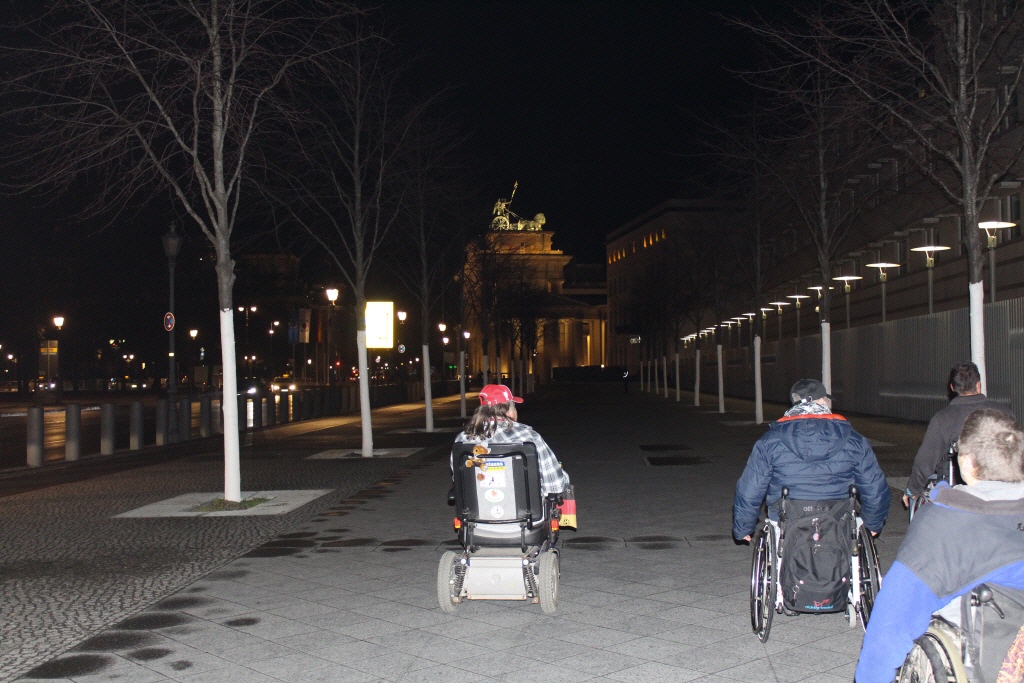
{"type": "Point", "coordinates": [428, 390]}
{"type": "Point", "coordinates": [758, 391]}
{"type": "Point", "coordinates": [664, 371]}
{"type": "Point", "coordinates": [721, 381]}
{"type": "Point", "coordinates": [826, 356]}
{"type": "Point", "coordinates": [976, 292]}
{"type": "Point", "coordinates": [232, 469]}
{"type": "Point", "coordinates": [364, 394]}
{"type": "Point", "coordinates": [696, 379]}
{"type": "Point", "coordinates": [677, 376]}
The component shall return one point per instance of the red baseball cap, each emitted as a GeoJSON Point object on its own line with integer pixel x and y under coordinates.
{"type": "Point", "coordinates": [496, 394]}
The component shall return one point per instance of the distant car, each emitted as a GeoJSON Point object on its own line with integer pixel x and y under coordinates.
{"type": "Point", "coordinates": [282, 385]}
{"type": "Point", "coordinates": [250, 386]}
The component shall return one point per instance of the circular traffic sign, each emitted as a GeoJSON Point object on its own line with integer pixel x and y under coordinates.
{"type": "Point", "coordinates": [168, 321]}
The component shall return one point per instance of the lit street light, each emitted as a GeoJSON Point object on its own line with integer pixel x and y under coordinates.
{"type": "Point", "coordinates": [882, 277]}
{"type": "Point", "coordinates": [929, 263]}
{"type": "Point", "coordinates": [990, 227]}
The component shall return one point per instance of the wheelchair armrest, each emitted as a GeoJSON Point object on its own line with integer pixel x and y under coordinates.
{"type": "Point", "coordinates": [451, 496]}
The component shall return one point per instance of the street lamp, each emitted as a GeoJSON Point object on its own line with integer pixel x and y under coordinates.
{"type": "Point", "coordinates": [462, 373]}
{"type": "Point", "coordinates": [929, 263]}
{"type": "Point", "coordinates": [332, 296]}
{"type": "Point", "coordinates": [798, 298]}
{"type": "Point", "coordinates": [779, 305]}
{"type": "Point", "coordinates": [846, 280]}
{"type": "Point", "coordinates": [882, 277]}
{"type": "Point", "coordinates": [172, 245]}
{"type": "Point", "coordinates": [990, 227]}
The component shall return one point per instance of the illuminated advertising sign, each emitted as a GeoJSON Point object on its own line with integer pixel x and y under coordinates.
{"type": "Point", "coordinates": [380, 324]}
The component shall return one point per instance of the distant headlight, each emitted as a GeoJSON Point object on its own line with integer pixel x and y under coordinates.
{"type": "Point", "coordinates": [251, 390]}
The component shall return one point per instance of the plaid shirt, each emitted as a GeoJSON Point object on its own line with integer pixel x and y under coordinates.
{"type": "Point", "coordinates": [553, 478]}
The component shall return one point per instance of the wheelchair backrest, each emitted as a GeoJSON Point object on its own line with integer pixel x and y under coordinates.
{"type": "Point", "coordinates": [499, 485]}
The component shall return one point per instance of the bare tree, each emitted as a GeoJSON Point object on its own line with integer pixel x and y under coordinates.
{"type": "Point", "coordinates": [163, 96]}
{"type": "Point", "coordinates": [345, 184]}
{"type": "Point", "coordinates": [428, 249]}
{"type": "Point", "coordinates": [941, 73]}
{"type": "Point", "coordinates": [822, 146]}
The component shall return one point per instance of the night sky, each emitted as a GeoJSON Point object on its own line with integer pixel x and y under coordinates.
{"type": "Point", "coordinates": [584, 103]}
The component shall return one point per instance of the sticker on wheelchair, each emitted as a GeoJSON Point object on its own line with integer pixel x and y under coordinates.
{"type": "Point", "coordinates": [492, 475]}
{"type": "Point", "coordinates": [494, 495]}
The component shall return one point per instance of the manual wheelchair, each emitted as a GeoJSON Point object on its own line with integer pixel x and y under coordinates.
{"type": "Point", "coordinates": [858, 569]}
{"type": "Point", "coordinates": [949, 473]}
{"type": "Point", "coordinates": [974, 650]}
{"type": "Point", "coordinates": [508, 530]}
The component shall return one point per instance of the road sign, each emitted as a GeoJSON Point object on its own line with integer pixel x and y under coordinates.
{"type": "Point", "coordinates": [168, 321]}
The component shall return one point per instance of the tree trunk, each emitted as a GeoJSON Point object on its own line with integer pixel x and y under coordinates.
{"type": "Point", "coordinates": [364, 391]}
{"type": "Point", "coordinates": [721, 380]}
{"type": "Point", "coordinates": [696, 378]}
{"type": "Point", "coordinates": [677, 375]}
{"type": "Point", "coordinates": [758, 391]}
{"type": "Point", "coordinates": [428, 390]}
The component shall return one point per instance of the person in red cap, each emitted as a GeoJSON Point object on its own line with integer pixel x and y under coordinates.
{"type": "Point", "coordinates": [495, 422]}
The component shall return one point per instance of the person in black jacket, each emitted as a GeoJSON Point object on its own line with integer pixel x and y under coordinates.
{"type": "Point", "coordinates": [945, 425]}
{"type": "Point", "coordinates": [818, 455]}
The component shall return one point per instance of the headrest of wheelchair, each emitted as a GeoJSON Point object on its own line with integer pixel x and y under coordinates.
{"type": "Point", "coordinates": [497, 394]}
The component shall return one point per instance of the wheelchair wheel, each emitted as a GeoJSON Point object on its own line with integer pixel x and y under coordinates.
{"type": "Point", "coordinates": [763, 582]}
{"type": "Point", "coordinates": [547, 581]}
{"type": "Point", "coordinates": [933, 659]}
{"type": "Point", "coordinates": [446, 582]}
{"type": "Point", "coordinates": [870, 574]}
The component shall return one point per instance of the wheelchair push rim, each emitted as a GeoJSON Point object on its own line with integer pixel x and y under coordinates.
{"type": "Point", "coordinates": [763, 582]}
{"type": "Point", "coordinates": [870, 574]}
{"type": "Point", "coordinates": [934, 658]}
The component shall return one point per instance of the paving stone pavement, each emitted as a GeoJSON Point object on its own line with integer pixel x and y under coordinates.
{"type": "Point", "coordinates": [344, 590]}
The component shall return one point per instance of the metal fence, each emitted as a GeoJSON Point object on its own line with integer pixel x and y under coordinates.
{"type": "Point", "coordinates": [898, 368]}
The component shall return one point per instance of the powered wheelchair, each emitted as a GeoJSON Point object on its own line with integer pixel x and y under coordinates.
{"type": "Point", "coordinates": [833, 565]}
{"type": "Point", "coordinates": [508, 530]}
{"type": "Point", "coordinates": [981, 648]}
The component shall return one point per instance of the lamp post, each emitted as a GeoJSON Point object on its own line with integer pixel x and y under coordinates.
{"type": "Point", "coordinates": [882, 277]}
{"type": "Point", "coordinates": [797, 299]}
{"type": "Point", "coordinates": [462, 373]}
{"type": "Point", "coordinates": [441, 327]}
{"type": "Point", "coordinates": [990, 227]}
{"type": "Point", "coordinates": [846, 280]}
{"type": "Point", "coordinates": [58, 322]}
{"type": "Point", "coordinates": [172, 245]}
{"type": "Point", "coordinates": [193, 333]}
{"type": "Point", "coordinates": [332, 296]}
{"type": "Point", "coordinates": [929, 263]}
{"type": "Point", "coordinates": [779, 305]}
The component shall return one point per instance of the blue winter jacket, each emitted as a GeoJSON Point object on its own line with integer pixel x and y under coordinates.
{"type": "Point", "coordinates": [817, 457]}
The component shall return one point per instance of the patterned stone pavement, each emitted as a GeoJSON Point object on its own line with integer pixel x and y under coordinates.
{"type": "Point", "coordinates": [343, 589]}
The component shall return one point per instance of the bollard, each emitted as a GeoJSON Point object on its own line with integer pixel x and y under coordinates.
{"type": "Point", "coordinates": [136, 435]}
{"type": "Point", "coordinates": [34, 441]}
{"type": "Point", "coordinates": [184, 419]}
{"type": "Point", "coordinates": [307, 404]}
{"type": "Point", "coordinates": [243, 415]}
{"type": "Point", "coordinates": [257, 412]}
{"type": "Point", "coordinates": [72, 432]}
{"type": "Point", "coordinates": [108, 429]}
{"type": "Point", "coordinates": [161, 422]}
{"type": "Point", "coordinates": [271, 411]}
{"type": "Point", "coordinates": [204, 417]}
{"type": "Point", "coordinates": [282, 408]}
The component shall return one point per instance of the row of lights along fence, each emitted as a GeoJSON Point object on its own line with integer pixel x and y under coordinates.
{"type": "Point", "coordinates": [929, 250]}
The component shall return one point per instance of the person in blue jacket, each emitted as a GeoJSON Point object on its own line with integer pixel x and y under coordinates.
{"type": "Point", "coordinates": [818, 455]}
{"type": "Point", "coordinates": [966, 535]}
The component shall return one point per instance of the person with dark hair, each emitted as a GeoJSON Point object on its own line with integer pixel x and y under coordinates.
{"type": "Point", "coordinates": [944, 427]}
{"type": "Point", "coordinates": [967, 535]}
{"type": "Point", "coordinates": [495, 422]}
{"type": "Point", "coordinates": [818, 455]}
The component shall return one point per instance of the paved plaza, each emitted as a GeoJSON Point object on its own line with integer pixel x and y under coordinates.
{"type": "Point", "coordinates": [343, 588]}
